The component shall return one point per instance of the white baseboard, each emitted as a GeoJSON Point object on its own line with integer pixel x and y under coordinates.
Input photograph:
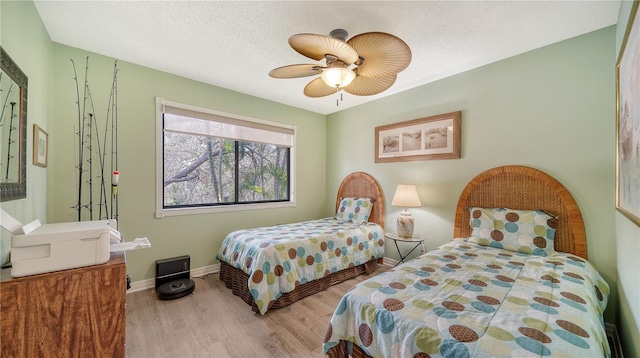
{"type": "Point", "coordinates": [206, 270]}
{"type": "Point", "coordinates": [203, 271]}
{"type": "Point", "coordinates": [390, 262]}
{"type": "Point", "coordinates": [151, 282]}
{"type": "Point", "coordinates": [142, 285]}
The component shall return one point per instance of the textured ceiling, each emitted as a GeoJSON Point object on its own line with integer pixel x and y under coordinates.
{"type": "Point", "coordinates": [234, 44]}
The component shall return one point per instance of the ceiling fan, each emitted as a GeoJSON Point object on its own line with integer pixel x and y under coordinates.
{"type": "Point", "coordinates": [365, 65]}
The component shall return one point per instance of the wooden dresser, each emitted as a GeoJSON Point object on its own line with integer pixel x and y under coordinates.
{"type": "Point", "coordinates": [71, 313]}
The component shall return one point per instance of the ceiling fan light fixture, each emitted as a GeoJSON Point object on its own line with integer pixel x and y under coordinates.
{"type": "Point", "coordinates": [337, 76]}
{"type": "Point", "coordinates": [365, 65]}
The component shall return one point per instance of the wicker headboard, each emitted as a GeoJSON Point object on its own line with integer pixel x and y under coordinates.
{"type": "Point", "coordinates": [363, 185]}
{"type": "Point", "coordinates": [524, 188]}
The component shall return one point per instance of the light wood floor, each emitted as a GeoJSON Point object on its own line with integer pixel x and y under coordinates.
{"type": "Point", "coordinates": [212, 322]}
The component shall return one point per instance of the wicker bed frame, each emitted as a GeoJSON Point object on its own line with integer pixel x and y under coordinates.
{"type": "Point", "coordinates": [356, 184]}
{"type": "Point", "coordinates": [514, 187]}
{"type": "Point", "coordinates": [519, 187]}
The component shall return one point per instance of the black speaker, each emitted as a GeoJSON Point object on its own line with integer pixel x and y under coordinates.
{"type": "Point", "coordinates": [173, 277]}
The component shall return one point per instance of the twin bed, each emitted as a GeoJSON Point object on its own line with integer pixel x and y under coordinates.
{"type": "Point", "coordinates": [515, 281]}
{"type": "Point", "coordinates": [275, 266]}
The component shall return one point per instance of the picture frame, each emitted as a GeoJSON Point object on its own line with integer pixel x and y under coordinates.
{"type": "Point", "coordinates": [428, 138]}
{"type": "Point", "coordinates": [628, 121]}
{"type": "Point", "coordinates": [40, 147]}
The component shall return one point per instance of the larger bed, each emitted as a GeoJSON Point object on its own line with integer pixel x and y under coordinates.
{"type": "Point", "coordinates": [272, 267]}
{"type": "Point", "coordinates": [506, 286]}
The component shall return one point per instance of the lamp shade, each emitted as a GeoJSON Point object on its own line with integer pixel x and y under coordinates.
{"type": "Point", "coordinates": [406, 196]}
{"type": "Point", "coordinates": [337, 76]}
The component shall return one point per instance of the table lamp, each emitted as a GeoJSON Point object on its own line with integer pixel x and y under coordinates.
{"type": "Point", "coordinates": [406, 196]}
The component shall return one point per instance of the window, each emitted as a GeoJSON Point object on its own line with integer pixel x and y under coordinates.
{"type": "Point", "coordinates": [211, 161]}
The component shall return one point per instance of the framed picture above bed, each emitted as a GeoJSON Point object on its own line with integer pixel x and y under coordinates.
{"type": "Point", "coordinates": [628, 121]}
{"type": "Point", "coordinates": [435, 137]}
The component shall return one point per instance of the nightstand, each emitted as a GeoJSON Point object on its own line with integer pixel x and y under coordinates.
{"type": "Point", "coordinates": [416, 239]}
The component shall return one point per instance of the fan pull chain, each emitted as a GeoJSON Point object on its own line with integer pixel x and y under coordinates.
{"type": "Point", "coordinates": [338, 100]}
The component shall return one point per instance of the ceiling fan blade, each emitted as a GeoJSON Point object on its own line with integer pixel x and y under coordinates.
{"type": "Point", "coordinates": [367, 86]}
{"type": "Point", "coordinates": [295, 71]}
{"type": "Point", "coordinates": [384, 54]}
{"type": "Point", "coordinates": [317, 88]}
{"type": "Point", "coordinates": [317, 46]}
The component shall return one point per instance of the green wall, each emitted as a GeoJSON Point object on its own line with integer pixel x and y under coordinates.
{"type": "Point", "coordinates": [25, 39]}
{"type": "Point", "coordinates": [552, 109]}
{"type": "Point", "coordinates": [627, 238]}
{"type": "Point", "coordinates": [199, 236]}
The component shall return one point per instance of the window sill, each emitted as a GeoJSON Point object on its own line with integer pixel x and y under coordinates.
{"type": "Point", "coordinates": [220, 209]}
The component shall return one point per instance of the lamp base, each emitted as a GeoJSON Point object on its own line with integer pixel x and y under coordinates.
{"type": "Point", "coordinates": [405, 224]}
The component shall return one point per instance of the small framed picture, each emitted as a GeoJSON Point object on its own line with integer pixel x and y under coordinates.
{"type": "Point", "coordinates": [40, 147]}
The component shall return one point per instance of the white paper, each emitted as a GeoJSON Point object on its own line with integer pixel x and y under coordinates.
{"type": "Point", "coordinates": [137, 243]}
{"type": "Point", "coordinates": [9, 222]}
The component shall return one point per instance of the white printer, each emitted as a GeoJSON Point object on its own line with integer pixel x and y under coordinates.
{"type": "Point", "coordinates": [37, 248]}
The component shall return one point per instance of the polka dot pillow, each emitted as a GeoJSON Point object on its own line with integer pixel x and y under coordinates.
{"type": "Point", "coordinates": [526, 231]}
{"type": "Point", "coordinates": [356, 210]}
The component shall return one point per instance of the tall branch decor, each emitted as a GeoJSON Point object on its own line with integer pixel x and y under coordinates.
{"type": "Point", "coordinates": [95, 138]}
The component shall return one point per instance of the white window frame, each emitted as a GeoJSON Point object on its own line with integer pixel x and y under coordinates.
{"type": "Point", "coordinates": [162, 212]}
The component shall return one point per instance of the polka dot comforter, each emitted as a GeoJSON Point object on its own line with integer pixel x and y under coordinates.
{"type": "Point", "coordinates": [466, 300]}
{"type": "Point", "coordinates": [280, 258]}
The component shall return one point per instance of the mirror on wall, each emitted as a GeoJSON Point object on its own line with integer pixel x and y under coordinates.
{"type": "Point", "coordinates": [13, 129]}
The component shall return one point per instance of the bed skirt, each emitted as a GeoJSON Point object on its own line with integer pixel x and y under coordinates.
{"type": "Point", "coordinates": [346, 349]}
{"type": "Point", "coordinates": [236, 280]}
